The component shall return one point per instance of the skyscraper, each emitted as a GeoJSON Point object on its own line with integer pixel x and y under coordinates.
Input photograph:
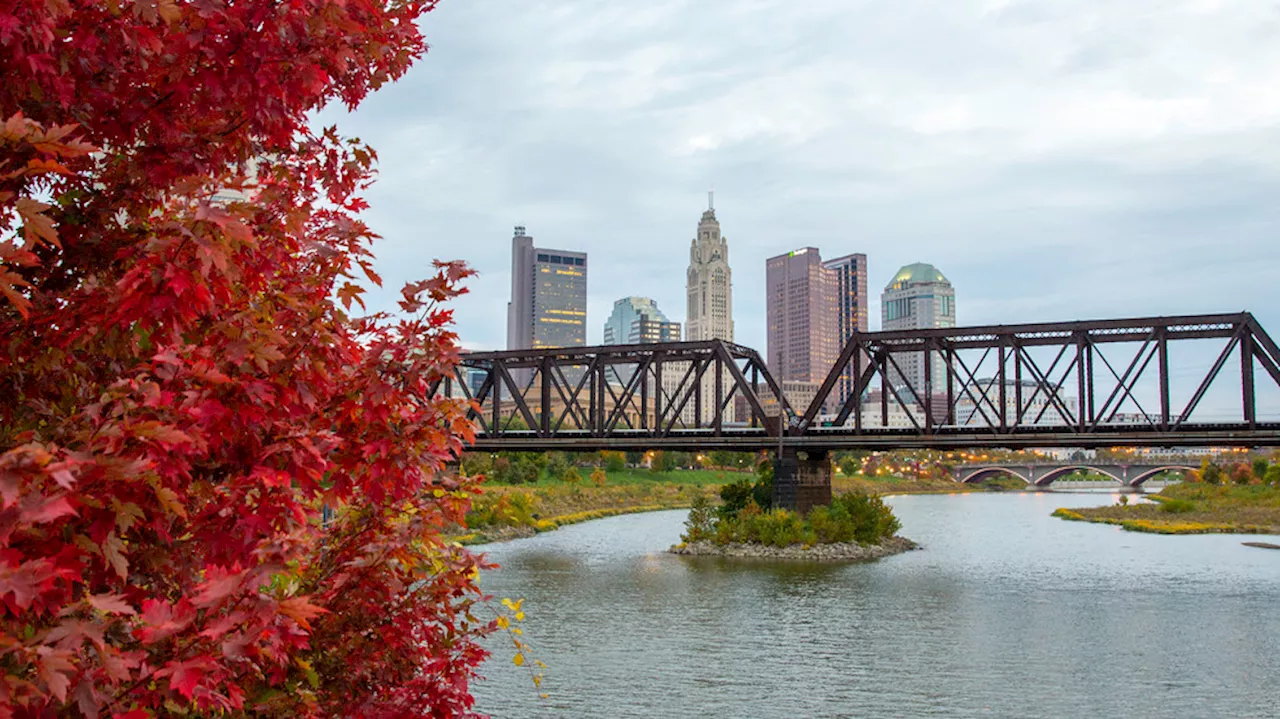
{"type": "Point", "coordinates": [548, 306]}
{"type": "Point", "coordinates": [710, 283]}
{"type": "Point", "coordinates": [813, 308]}
{"type": "Point", "coordinates": [918, 297]}
{"type": "Point", "coordinates": [800, 306]}
{"type": "Point", "coordinates": [850, 278]}
{"type": "Point", "coordinates": [637, 320]}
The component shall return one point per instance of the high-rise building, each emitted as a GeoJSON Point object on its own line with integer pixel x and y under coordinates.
{"type": "Point", "coordinates": [637, 320]}
{"type": "Point", "coordinates": [918, 297]}
{"type": "Point", "coordinates": [813, 308]}
{"type": "Point", "coordinates": [850, 280]}
{"type": "Point", "coordinates": [800, 307]}
{"type": "Point", "coordinates": [710, 283]}
{"type": "Point", "coordinates": [548, 306]}
{"type": "Point", "coordinates": [709, 306]}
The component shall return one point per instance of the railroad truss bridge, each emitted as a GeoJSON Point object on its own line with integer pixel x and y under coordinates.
{"type": "Point", "coordinates": [1201, 380]}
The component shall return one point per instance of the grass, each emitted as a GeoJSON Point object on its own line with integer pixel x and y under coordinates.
{"type": "Point", "coordinates": [507, 511]}
{"type": "Point", "coordinates": [1193, 508]}
{"type": "Point", "coordinates": [643, 477]}
{"type": "Point", "coordinates": [841, 484]}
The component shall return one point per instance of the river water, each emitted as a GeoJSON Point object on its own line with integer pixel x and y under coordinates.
{"type": "Point", "coordinates": [1006, 612]}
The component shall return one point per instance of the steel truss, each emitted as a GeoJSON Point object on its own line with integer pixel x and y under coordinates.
{"type": "Point", "coordinates": [1066, 387]}
{"type": "Point", "coordinates": [1054, 384]}
{"type": "Point", "coordinates": [639, 395]}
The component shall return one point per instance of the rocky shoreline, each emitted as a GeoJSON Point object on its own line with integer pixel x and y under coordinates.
{"type": "Point", "coordinates": [851, 552]}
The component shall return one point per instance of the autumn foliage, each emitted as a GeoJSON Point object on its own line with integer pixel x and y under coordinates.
{"type": "Point", "coordinates": [220, 489]}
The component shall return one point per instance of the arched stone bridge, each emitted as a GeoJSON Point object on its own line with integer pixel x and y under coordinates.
{"type": "Point", "coordinates": [1042, 475]}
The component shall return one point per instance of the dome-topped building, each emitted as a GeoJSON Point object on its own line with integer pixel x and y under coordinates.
{"type": "Point", "coordinates": [919, 296]}
{"type": "Point", "coordinates": [916, 273]}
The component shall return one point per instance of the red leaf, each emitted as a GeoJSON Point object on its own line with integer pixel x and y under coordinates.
{"type": "Point", "coordinates": [36, 226]}
{"type": "Point", "coordinates": [55, 668]}
{"type": "Point", "coordinates": [300, 610]}
{"type": "Point", "coordinates": [38, 510]}
{"type": "Point", "coordinates": [185, 676]}
{"type": "Point", "coordinates": [220, 586]}
{"type": "Point", "coordinates": [111, 604]}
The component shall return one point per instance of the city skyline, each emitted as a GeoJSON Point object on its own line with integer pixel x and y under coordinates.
{"type": "Point", "coordinates": [1061, 161]}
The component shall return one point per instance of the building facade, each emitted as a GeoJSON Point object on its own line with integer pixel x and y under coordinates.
{"type": "Point", "coordinates": [548, 306]}
{"type": "Point", "coordinates": [849, 276]}
{"type": "Point", "coordinates": [709, 304]}
{"type": "Point", "coordinates": [800, 309]}
{"type": "Point", "coordinates": [709, 285]}
{"type": "Point", "coordinates": [918, 297]}
{"type": "Point", "coordinates": [637, 320]}
{"type": "Point", "coordinates": [813, 308]}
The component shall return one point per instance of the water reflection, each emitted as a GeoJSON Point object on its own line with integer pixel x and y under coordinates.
{"type": "Point", "coordinates": [1006, 612]}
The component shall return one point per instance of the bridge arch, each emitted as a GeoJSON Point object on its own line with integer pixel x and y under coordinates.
{"type": "Point", "coordinates": [986, 473]}
{"type": "Point", "coordinates": [1059, 472]}
{"type": "Point", "coordinates": [1141, 478]}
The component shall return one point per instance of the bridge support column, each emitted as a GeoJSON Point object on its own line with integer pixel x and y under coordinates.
{"type": "Point", "coordinates": [802, 480]}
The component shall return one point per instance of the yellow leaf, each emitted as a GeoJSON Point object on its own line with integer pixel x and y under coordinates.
{"type": "Point", "coordinates": [503, 623]}
{"type": "Point", "coordinates": [519, 616]}
{"type": "Point", "coordinates": [537, 681]}
{"type": "Point", "coordinates": [518, 659]}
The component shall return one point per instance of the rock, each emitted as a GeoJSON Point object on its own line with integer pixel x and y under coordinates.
{"type": "Point", "coordinates": [850, 552]}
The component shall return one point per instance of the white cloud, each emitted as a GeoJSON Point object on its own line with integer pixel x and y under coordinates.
{"type": "Point", "coordinates": [1055, 158]}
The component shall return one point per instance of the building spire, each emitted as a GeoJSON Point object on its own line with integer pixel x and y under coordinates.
{"type": "Point", "coordinates": [711, 200]}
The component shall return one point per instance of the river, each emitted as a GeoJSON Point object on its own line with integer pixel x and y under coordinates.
{"type": "Point", "coordinates": [1005, 612]}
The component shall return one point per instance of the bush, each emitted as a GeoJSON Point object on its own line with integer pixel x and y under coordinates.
{"type": "Point", "coordinates": [872, 519]}
{"type": "Point", "coordinates": [571, 476]}
{"type": "Point", "coordinates": [1177, 506]}
{"type": "Point", "coordinates": [599, 477]}
{"type": "Point", "coordinates": [614, 461]}
{"type": "Point", "coordinates": [1273, 475]}
{"type": "Point", "coordinates": [735, 497]}
{"type": "Point", "coordinates": [1260, 468]}
{"type": "Point", "coordinates": [850, 518]}
{"type": "Point", "coordinates": [700, 524]}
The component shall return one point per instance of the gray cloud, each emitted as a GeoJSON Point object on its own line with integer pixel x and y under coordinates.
{"type": "Point", "coordinates": [1055, 159]}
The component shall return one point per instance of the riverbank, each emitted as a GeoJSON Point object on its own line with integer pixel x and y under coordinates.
{"type": "Point", "coordinates": [838, 552]}
{"type": "Point", "coordinates": [506, 512]}
{"type": "Point", "coordinates": [1192, 508]}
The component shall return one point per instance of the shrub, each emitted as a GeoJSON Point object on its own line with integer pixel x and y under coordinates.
{"type": "Point", "coordinates": [1273, 475]}
{"type": "Point", "coordinates": [1177, 506]}
{"type": "Point", "coordinates": [850, 518]}
{"type": "Point", "coordinates": [1260, 468]}
{"type": "Point", "coordinates": [571, 476]}
{"type": "Point", "coordinates": [615, 461]}
{"type": "Point", "coordinates": [872, 519]}
{"type": "Point", "coordinates": [599, 477]}
{"type": "Point", "coordinates": [735, 497]}
{"type": "Point", "coordinates": [700, 524]}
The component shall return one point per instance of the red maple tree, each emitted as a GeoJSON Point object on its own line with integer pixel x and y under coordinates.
{"type": "Point", "coordinates": [182, 389]}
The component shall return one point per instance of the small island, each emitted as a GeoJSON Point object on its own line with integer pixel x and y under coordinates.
{"type": "Point", "coordinates": [1194, 507]}
{"type": "Point", "coordinates": [854, 527]}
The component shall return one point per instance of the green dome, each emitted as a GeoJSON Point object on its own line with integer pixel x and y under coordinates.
{"type": "Point", "coordinates": [915, 274]}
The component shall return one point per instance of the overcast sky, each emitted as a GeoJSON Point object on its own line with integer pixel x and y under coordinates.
{"type": "Point", "coordinates": [1056, 159]}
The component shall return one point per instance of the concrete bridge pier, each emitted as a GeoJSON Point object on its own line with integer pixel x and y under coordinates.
{"type": "Point", "coordinates": [802, 479]}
